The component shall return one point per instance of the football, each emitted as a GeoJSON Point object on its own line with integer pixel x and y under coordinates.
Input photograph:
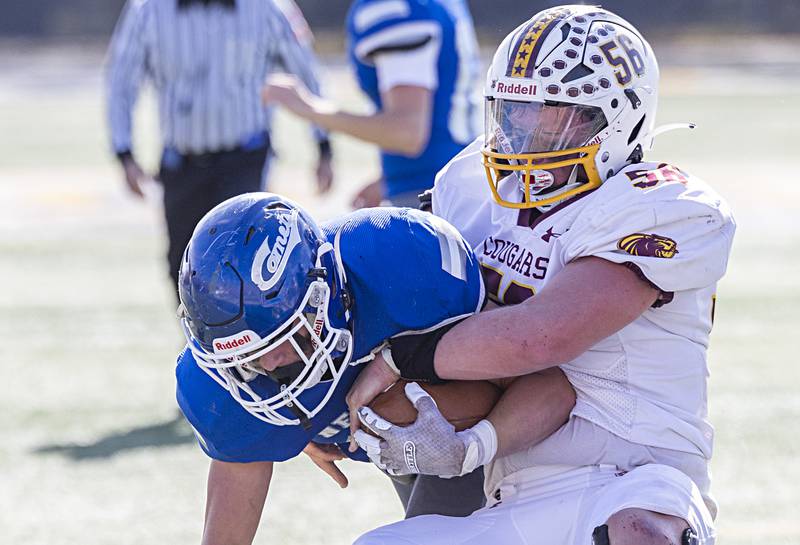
{"type": "Point", "coordinates": [463, 403]}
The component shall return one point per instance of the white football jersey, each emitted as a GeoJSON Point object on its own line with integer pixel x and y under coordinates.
{"type": "Point", "coordinates": [647, 382]}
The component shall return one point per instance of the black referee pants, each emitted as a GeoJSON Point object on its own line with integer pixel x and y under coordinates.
{"type": "Point", "coordinates": [194, 184]}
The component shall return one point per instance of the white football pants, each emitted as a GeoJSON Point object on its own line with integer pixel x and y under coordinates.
{"type": "Point", "coordinates": [557, 506]}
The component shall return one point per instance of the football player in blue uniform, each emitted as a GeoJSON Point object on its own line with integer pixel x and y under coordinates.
{"type": "Point", "coordinates": [417, 61]}
{"type": "Point", "coordinates": [280, 314]}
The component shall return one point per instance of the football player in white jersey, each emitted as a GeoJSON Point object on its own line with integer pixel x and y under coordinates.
{"type": "Point", "coordinates": [602, 264]}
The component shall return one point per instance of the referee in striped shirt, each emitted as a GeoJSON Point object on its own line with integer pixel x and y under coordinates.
{"type": "Point", "coordinates": [207, 60]}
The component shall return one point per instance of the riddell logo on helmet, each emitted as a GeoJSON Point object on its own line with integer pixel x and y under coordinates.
{"type": "Point", "coordinates": [516, 88]}
{"type": "Point", "coordinates": [234, 342]}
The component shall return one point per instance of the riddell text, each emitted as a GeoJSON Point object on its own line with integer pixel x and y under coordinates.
{"type": "Point", "coordinates": [516, 88]}
{"type": "Point", "coordinates": [233, 343]}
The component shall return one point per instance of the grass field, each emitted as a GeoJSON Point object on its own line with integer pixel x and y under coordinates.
{"type": "Point", "coordinates": [92, 450]}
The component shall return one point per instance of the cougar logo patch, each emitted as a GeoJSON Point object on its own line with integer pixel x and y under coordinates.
{"type": "Point", "coordinates": [277, 255]}
{"type": "Point", "coordinates": [641, 244]}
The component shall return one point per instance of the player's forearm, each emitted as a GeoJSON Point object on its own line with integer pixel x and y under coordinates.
{"type": "Point", "coordinates": [589, 300]}
{"type": "Point", "coordinates": [531, 408]}
{"type": "Point", "coordinates": [236, 496]}
{"type": "Point", "coordinates": [401, 132]}
{"type": "Point", "coordinates": [501, 343]}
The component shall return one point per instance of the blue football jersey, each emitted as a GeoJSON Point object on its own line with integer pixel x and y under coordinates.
{"type": "Point", "coordinates": [375, 26]}
{"type": "Point", "coordinates": [406, 270]}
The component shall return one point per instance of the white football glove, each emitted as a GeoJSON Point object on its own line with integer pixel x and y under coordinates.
{"type": "Point", "coordinates": [430, 445]}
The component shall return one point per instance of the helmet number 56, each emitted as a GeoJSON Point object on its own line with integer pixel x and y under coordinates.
{"type": "Point", "coordinates": [634, 59]}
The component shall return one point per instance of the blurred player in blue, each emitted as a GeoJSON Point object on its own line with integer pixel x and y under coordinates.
{"type": "Point", "coordinates": [417, 61]}
{"type": "Point", "coordinates": [280, 315]}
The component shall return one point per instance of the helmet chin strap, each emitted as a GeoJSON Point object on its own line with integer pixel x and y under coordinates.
{"type": "Point", "coordinates": [661, 129]}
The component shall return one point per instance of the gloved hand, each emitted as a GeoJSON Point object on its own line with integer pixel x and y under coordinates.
{"type": "Point", "coordinates": [430, 445]}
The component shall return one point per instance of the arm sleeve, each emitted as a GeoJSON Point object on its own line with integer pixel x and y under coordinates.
{"type": "Point", "coordinates": [295, 55]}
{"type": "Point", "coordinates": [126, 63]}
{"type": "Point", "coordinates": [390, 26]}
{"type": "Point", "coordinates": [416, 67]}
{"type": "Point", "coordinates": [676, 244]}
{"type": "Point", "coordinates": [413, 355]}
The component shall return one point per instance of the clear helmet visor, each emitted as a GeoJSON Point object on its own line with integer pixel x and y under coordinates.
{"type": "Point", "coordinates": [514, 127]}
{"type": "Point", "coordinates": [542, 148]}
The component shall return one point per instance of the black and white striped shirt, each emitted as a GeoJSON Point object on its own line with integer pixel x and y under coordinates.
{"type": "Point", "coordinates": [207, 63]}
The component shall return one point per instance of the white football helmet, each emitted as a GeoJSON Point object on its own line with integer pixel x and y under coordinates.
{"type": "Point", "coordinates": [570, 99]}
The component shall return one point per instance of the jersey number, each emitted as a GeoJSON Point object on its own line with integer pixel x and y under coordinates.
{"type": "Point", "coordinates": [644, 179]}
{"type": "Point", "coordinates": [513, 293]}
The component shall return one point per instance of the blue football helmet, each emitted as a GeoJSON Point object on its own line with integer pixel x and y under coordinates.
{"type": "Point", "coordinates": [257, 273]}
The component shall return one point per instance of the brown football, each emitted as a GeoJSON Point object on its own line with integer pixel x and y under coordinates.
{"type": "Point", "coordinates": [463, 403]}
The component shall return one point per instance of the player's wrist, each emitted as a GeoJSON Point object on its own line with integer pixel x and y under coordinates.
{"type": "Point", "coordinates": [414, 355]}
{"type": "Point", "coordinates": [480, 442]}
{"type": "Point", "coordinates": [386, 354]}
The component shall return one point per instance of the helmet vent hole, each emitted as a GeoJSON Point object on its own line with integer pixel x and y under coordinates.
{"type": "Point", "coordinates": [635, 100]}
{"type": "Point", "coordinates": [610, 173]}
{"type": "Point", "coordinates": [565, 31]}
{"type": "Point", "coordinates": [212, 231]}
{"type": "Point", "coordinates": [614, 103]}
{"type": "Point", "coordinates": [271, 295]}
{"type": "Point", "coordinates": [194, 273]}
{"type": "Point", "coordinates": [250, 233]}
{"type": "Point", "coordinates": [635, 131]}
{"type": "Point", "coordinates": [580, 71]}
{"type": "Point", "coordinates": [604, 157]}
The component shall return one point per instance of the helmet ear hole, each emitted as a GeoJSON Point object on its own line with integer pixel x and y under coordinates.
{"type": "Point", "coordinates": [635, 131]}
{"type": "Point", "coordinates": [580, 71]}
{"type": "Point", "coordinates": [636, 155]}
